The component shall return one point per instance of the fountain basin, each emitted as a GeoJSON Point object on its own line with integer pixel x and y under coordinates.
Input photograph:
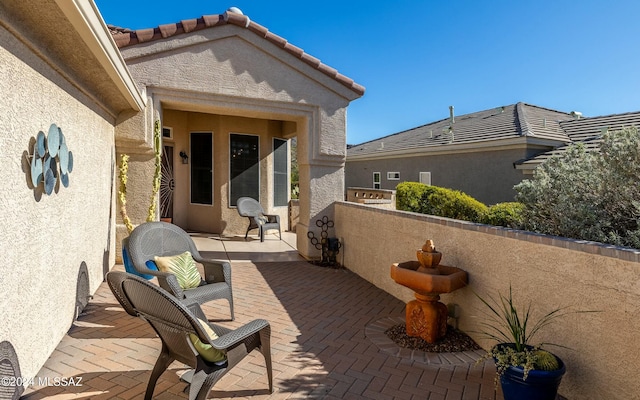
{"type": "Point", "coordinates": [428, 281]}
{"type": "Point", "coordinates": [426, 316]}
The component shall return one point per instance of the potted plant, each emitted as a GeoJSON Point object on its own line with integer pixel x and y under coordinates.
{"type": "Point", "coordinates": [525, 370]}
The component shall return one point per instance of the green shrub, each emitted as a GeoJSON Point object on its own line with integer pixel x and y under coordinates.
{"type": "Point", "coordinates": [454, 204]}
{"type": "Point", "coordinates": [588, 195]}
{"type": "Point", "coordinates": [408, 195]}
{"type": "Point", "coordinates": [434, 200]}
{"type": "Point", "coordinates": [504, 214]}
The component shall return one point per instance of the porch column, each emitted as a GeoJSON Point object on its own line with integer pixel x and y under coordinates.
{"type": "Point", "coordinates": [134, 137]}
{"type": "Point", "coordinates": [321, 160]}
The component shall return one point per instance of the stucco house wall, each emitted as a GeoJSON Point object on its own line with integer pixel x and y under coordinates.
{"type": "Point", "coordinates": [469, 172]}
{"type": "Point", "coordinates": [219, 217]}
{"type": "Point", "coordinates": [230, 70]}
{"type": "Point", "coordinates": [56, 248]}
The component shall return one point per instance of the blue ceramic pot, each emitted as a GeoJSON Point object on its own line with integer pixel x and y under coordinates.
{"type": "Point", "coordinates": [540, 385]}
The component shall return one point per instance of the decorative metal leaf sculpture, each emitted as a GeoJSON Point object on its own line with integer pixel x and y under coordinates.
{"type": "Point", "coordinates": [50, 159]}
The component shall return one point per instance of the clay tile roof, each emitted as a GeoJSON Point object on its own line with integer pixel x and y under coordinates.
{"type": "Point", "coordinates": [128, 37]}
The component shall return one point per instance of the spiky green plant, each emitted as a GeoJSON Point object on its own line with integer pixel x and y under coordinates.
{"type": "Point", "coordinates": [122, 191]}
{"type": "Point", "coordinates": [123, 175]}
{"type": "Point", "coordinates": [545, 361]}
{"type": "Point", "coordinates": [507, 324]}
{"type": "Point", "coordinates": [157, 147]}
{"type": "Point", "coordinates": [514, 330]}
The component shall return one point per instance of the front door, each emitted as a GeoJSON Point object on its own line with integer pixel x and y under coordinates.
{"type": "Point", "coordinates": [167, 184]}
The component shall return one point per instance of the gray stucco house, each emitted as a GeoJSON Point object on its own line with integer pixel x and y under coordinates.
{"type": "Point", "coordinates": [483, 154]}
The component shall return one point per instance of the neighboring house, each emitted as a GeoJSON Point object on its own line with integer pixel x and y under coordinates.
{"type": "Point", "coordinates": [584, 130]}
{"type": "Point", "coordinates": [222, 87]}
{"type": "Point", "coordinates": [483, 154]}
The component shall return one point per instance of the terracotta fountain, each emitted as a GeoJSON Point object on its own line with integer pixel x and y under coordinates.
{"type": "Point", "coordinates": [427, 316]}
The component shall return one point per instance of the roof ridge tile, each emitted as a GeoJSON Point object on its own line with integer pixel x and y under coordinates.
{"type": "Point", "coordinates": [236, 19]}
{"type": "Point", "coordinates": [168, 30]}
{"type": "Point", "coordinates": [258, 29]}
{"type": "Point", "coordinates": [212, 20]}
{"type": "Point", "coordinates": [521, 117]}
{"type": "Point", "coordinates": [189, 25]}
{"type": "Point", "coordinates": [145, 35]}
{"type": "Point", "coordinates": [275, 39]}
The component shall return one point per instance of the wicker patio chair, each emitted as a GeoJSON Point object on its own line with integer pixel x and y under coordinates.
{"type": "Point", "coordinates": [250, 208]}
{"type": "Point", "coordinates": [163, 239]}
{"type": "Point", "coordinates": [173, 321]}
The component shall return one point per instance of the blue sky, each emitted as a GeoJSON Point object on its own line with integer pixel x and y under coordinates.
{"type": "Point", "coordinates": [416, 58]}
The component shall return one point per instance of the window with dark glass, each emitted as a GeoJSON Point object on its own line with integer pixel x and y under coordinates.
{"type": "Point", "coordinates": [244, 168]}
{"type": "Point", "coordinates": [201, 168]}
{"type": "Point", "coordinates": [280, 172]}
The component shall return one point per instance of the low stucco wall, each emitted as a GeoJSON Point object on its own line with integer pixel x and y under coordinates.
{"type": "Point", "coordinates": [380, 198]}
{"type": "Point", "coordinates": [47, 240]}
{"type": "Point", "coordinates": [548, 271]}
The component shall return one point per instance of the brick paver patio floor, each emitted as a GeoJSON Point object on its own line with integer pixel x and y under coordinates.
{"type": "Point", "coordinates": [327, 343]}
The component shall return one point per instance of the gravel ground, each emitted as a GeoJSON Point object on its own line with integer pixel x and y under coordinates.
{"type": "Point", "coordinates": [453, 341]}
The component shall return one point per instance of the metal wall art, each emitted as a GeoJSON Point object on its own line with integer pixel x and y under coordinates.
{"type": "Point", "coordinates": [330, 246]}
{"type": "Point", "coordinates": [51, 160]}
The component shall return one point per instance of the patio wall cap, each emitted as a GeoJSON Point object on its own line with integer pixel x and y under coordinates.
{"type": "Point", "coordinates": [586, 246]}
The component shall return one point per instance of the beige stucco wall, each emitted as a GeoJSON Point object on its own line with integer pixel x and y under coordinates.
{"type": "Point", "coordinates": [219, 217]}
{"type": "Point", "coordinates": [45, 239]}
{"type": "Point", "coordinates": [231, 71]}
{"type": "Point", "coordinates": [549, 272]}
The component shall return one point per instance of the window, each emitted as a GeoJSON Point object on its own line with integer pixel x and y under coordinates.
{"type": "Point", "coordinates": [393, 176]}
{"type": "Point", "coordinates": [167, 133]}
{"type": "Point", "coordinates": [425, 177]}
{"type": "Point", "coordinates": [244, 167]}
{"type": "Point", "coordinates": [280, 172]}
{"type": "Point", "coordinates": [201, 168]}
{"type": "Point", "coordinates": [376, 180]}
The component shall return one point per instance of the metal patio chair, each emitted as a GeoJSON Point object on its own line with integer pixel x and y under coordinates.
{"type": "Point", "coordinates": [163, 239]}
{"type": "Point", "coordinates": [173, 321]}
{"type": "Point", "coordinates": [250, 208]}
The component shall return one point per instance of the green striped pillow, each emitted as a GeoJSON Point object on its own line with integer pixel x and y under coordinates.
{"type": "Point", "coordinates": [183, 267]}
{"type": "Point", "coordinates": [207, 351]}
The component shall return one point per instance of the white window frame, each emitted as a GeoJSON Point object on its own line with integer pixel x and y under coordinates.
{"type": "Point", "coordinates": [378, 182]}
{"type": "Point", "coordinates": [393, 176]}
{"type": "Point", "coordinates": [425, 177]}
{"type": "Point", "coordinates": [229, 167]}
{"type": "Point", "coordinates": [213, 165]}
{"type": "Point", "coordinates": [273, 147]}
{"type": "Point", "coordinates": [170, 132]}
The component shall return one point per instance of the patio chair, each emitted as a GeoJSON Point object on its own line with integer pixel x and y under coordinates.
{"type": "Point", "coordinates": [250, 208]}
{"type": "Point", "coordinates": [163, 239]}
{"type": "Point", "coordinates": [184, 335]}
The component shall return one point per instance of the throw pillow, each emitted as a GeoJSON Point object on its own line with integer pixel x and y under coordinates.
{"type": "Point", "coordinates": [207, 351]}
{"type": "Point", "coordinates": [151, 265]}
{"type": "Point", "coordinates": [183, 267]}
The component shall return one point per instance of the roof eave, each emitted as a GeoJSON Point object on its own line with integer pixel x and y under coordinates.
{"type": "Point", "coordinates": [469, 147]}
{"type": "Point", "coordinates": [86, 19]}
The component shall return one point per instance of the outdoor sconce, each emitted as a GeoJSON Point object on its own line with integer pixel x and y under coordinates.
{"type": "Point", "coordinates": [185, 157]}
